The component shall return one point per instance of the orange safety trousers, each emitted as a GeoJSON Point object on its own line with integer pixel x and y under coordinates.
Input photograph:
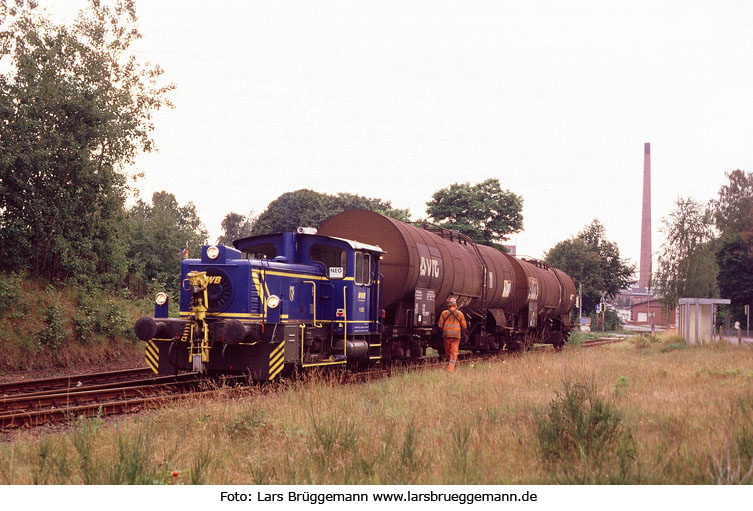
{"type": "Point", "coordinates": [451, 346]}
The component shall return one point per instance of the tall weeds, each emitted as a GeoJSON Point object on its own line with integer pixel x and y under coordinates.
{"type": "Point", "coordinates": [622, 416]}
{"type": "Point", "coordinates": [582, 438]}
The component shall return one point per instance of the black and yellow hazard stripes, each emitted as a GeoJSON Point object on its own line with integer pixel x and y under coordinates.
{"type": "Point", "coordinates": [151, 355]}
{"type": "Point", "coordinates": [276, 360]}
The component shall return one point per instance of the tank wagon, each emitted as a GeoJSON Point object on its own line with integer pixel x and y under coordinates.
{"type": "Point", "coordinates": [364, 289]}
{"type": "Point", "coordinates": [510, 302]}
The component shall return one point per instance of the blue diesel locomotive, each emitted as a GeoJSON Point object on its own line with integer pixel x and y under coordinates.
{"type": "Point", "coordinates": [273, 301]}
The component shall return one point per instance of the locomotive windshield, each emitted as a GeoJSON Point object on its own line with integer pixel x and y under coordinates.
{"type": "Point", "coordinates": [329, 256]}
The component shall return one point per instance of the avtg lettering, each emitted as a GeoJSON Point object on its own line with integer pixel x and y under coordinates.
{"type": "Point", "coordinates": [429, 267]}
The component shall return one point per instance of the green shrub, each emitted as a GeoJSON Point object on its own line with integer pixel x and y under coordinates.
{"type": "Point", "coordinates": [97, 315]}
{"type": "Point", "coordinates": [576, 337]}
{"type": "Point", "coordinates": [582, 439]}
{"type": "Point", "coordinates": [620, 388]}
{"type": "Point", "coordinates": [85, 439]}
{"type": "Point", "coordinates": [116, 322]}
{"type": "Point", "coordinates": [462, 459]}
{"type": "Point", "coordinates": [10, 287]}
{"type": "Point", "coordinates": [53, 334]}
{"type": "Point", "coordinates": [52, 462]}
{"type": "Point", "coordinates": [132, 461]}
{"type": "Point", "coordinates": [84, 326]}
{"type": "Point", "coordinates": [644, 341]}
{"type": "Point", "coordinates": [201, 463]}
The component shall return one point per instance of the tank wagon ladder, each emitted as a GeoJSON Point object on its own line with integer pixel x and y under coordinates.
{"type": "Point", "coordinates": [376, 347]}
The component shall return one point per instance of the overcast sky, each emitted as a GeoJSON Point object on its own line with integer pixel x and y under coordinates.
{"type": "Point", "coordinates": [398, 99]}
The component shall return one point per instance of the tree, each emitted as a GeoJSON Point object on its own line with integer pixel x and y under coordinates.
{"type": "Point", "coordinates": [687, 264]}
{"type": "Point", "coordinates": [733, 212]}
{"type": "Point", "coordinates": [576, 259]}
{"type": "Point", "coordinates": [733, 208]}
{"type": "Point", "coordinates": [234, 227]}
{"type": "Point", "coordinates": [484, 212]}
{"type": "Point", "coordinates": [307, 208]}
{"type": "Point", "coordinates": [157, 234]}
{"type": "Point", "coordinates": [75, 110]}
{"type": "Point", "coordinates": [735, 272]}
{"type": "Point", "coordinates": [593, 262]}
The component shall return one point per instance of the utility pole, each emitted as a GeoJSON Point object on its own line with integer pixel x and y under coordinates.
{"type": "Point", "coordinates": [580, 303]}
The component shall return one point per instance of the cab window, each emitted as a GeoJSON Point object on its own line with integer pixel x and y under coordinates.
{"type": "Point", "coordinates": [265, 251]}
{"type": "Point", "coordinates": [363, 269]}
{"type": "Point", "coordinates": [330, 257]}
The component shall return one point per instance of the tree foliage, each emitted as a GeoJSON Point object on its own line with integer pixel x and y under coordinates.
{"type": "Point", "coordinates": [733, 210]}
{"type": "Point", "coordinates": [75, 110]}
{"type": "Point", "coordinates": [733, 213]}
{"type": "Point", "coordinates": [687, 263]}
{"type": "Point", "coordinates": [235, 226]}
{"type": "Point", "coordinates": [307, 208]}
{"type": "Point", "coordinates": [484, 212]}
{"type": "Point", "coordinates": [735, 272]}
{"type": "Point", "coordinates": [593, 262]}
{"type": "Point", "coordinates": [157, 234]}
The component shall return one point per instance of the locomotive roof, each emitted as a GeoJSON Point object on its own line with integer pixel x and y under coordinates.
{"type": "Point", "coordinates": [355, 245]}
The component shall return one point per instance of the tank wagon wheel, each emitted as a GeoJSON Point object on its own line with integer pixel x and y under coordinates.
{"type": "Point", "coordinates": [530, 340]}
{"type": "Point", "coordinates": [557, 340]}
{"type": "Point", "coordinates": [513, 345]}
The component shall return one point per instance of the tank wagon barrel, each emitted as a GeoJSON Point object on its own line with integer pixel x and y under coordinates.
{"type": "Point", "coordinates": [518, 294]}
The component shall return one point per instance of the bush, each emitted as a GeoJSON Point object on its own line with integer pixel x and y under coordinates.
{"type": "Point", "coordinates": [53, 334]}
{"type": "Point", "coordinates": [582, 439]}
{"type": "Point", "coordinates": [97, 315]}
{"type": "Point", "coordinates": [10, 287]}
{"type": "Point", "coordinates": [644, 341]}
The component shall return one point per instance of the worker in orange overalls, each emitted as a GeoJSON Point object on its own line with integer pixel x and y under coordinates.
{"type": "Point", "coordinates": [453, 325]}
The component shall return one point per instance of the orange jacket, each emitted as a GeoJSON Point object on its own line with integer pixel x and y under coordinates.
{"type": "Point", "coordinates": [452, 322]}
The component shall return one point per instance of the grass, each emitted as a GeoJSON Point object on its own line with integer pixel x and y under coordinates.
{"type": "Point", "coordinates": [615, 414]}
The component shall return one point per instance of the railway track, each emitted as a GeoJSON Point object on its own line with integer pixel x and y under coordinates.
{"type": "Point", "coordinates": [590, 343]}
{"type": "Point", "coordinates": [75, 381]}
{"type": "Point", "coordinates": [54, 406]}
{"type": "Point", "coordinates": [55, 400]}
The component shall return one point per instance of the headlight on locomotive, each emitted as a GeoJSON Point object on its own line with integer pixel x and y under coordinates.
{"type": "Point", "coordinates": [273, 301]}
{"type": "Point", "coordinates": [160, 299]}
{"type": "Point", "coordinates": [213, 252]}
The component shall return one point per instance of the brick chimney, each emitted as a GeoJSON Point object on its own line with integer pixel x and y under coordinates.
{"type": "Point", "coordinates": [645, 268]}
